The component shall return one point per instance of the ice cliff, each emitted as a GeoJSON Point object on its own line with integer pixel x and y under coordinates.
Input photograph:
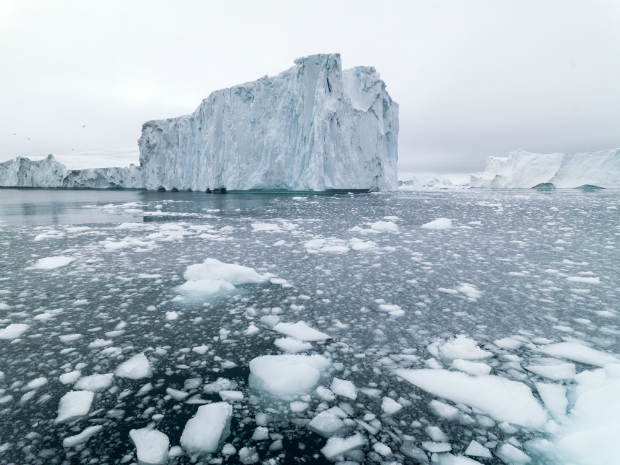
{"type": "Point", "coordinates": [313, 127]}
{"type": "Point", "coordinates": [560, 170]}
{"type": "Point", "coordinates": [49, 172]}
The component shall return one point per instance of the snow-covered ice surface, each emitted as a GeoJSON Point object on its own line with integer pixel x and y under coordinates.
{"type": "Point", "coordinates": [461, 345]}
{"type": "Point", "coordinates": [523, 170]}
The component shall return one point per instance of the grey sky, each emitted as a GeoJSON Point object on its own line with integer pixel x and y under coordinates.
{"type": "Point", "coordinates": [473, 78]}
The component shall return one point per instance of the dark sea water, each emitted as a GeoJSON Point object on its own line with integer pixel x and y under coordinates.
{"type": "Point", "coordinates": [501, 270]}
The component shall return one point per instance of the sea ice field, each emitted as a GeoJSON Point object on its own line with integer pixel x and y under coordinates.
{"type": "Point", "coordinates": [451, 327]}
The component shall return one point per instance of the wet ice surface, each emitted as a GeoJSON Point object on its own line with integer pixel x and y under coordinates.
{"type": "Point", "coordinates": [517, 272]}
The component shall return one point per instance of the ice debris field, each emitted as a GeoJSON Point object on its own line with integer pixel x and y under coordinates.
{"type": "Point", "coordinates": [459, 327]}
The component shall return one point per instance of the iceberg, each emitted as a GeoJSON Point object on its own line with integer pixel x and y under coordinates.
{"type": "Point", "coordinates": [314, 127]}
{"type": "Point", "coordinates": [524, 170]}
{"type": "Point", "coordinates": [85, 170]}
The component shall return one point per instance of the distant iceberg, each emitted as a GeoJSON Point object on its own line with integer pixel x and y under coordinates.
{"type": "Point", "coordinates": [523, 170]}
{"type": "Point", "coordinates": [313, 127]}
{"type": "Point", "coordinates": [94, 170]}
{"type": "Point", "coordinates": [412, 182]}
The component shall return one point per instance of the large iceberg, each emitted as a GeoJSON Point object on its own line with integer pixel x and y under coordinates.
{"type": "Point", "coordinates": [557, 170]}
{"type": "Point", "coordinates": [95, 170]}
{"type": "Point", "coordinates": [314, 127]}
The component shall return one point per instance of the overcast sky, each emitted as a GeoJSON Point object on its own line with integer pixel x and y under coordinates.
{"type": "Point", "coordinates": [473, 78]}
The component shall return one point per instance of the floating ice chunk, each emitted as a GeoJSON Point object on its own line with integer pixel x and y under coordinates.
{"type": "Point", "coordinates": [382, 449]}
{"type": "Point", "coordinates": [503, 399]}
{"type": "Point", "coordinates": [436, 434]}
{"type": "Point", "coordinates": [84, 436]}
{"type": "Point", "coordinates": [444, 410]}
{"type": "Point", "coordinates": [584, 279]}
{"type": "Point", "coordinates": [71, 377]}
{"type": "Point", "coordinates": [98, 343]}
{"type": "Point", "coordinates": [336, 447]}
{"type": "Point", "coordinates": [344, 388]}
{"type": "Point", "coordinates": [471, 368]}
{"type": "Point", "coordinates": [386, 226]}
{"type": "Point", "coordinates": [579, 353]}
{"type": "Point", "coordinates": [440, 223]}
{"type": "Point", "coordinates": [74, 404]}
{"type": "Point", "coordinates": [260, 434]}
{"type": "Point", "coordinates": [69, 337]}
{"type": "Point", "coordinates": [212, 276]}
{"type": "Point", "coordinates": [555, 372]}
{"type": "Point", "coordinates": [248, 455]}
{"type": "Point", "coordinates": [50, 263]}
{"type": "Point", "coordinates": [137, 367]}
{"type": "Point", "coordinates": [252, 330]}
{"type": "Point", "coordinates": [390, 406]}
{"type": "Point", "coordinates": [229, 449]}
{"type": "Point", "coordinates": [298, 406]}
{"type": "Point", "coordinates": [94, 383]}
{"type": "Point", "coordinates": [222, 384]}
{"type": "Point", "coordinates": [266, 227]}
{"type": "Point", "coordinates": [409, 449]}
{"type": "Point", "coordinates": [288, 344]}
{"type": "Point", "coordinates": [36, 383]}
{"type": "Point", "coordinates": [144, 389]}
{"type": "Point", "coordinates": [300, 331]}
{"type": "Point", "coordinates": [171, 316]}
{"type": "Point", "coordinates": [554, 398]}
{"type": "Point", "coordinates": [326, 424]}
{"type": "Point", "coordinates": [231, 395]}
{"type": "Point", "coordinates": [315, 244]}
{"type": "Point", "coordinates": [205, 431]}
{"type": "Point", "coordinates": [270, 320]}
{"type": "Point", "coordinates": [508, 343]}
{"type": "Point", "coordinates": [151, 446]}
{"type": "Point", "coordinates": [464, 348]}
{"type": "Point", "coordinates": [470, 291]}
{"type": "Point", "coordinates": [475, 449]}
{"type": "Point", "coordinates": [176, 394]}
{"type": "Point", "coordinates": [361, 245]}
{"type": "Point", "coordinates": [13, 331]}
{"type": "Point", "coordinates": [392, 310]}
{"type": "Point", "coordinates": [284, 375]}
{"type": "Point", "coordinates": [510, 454]}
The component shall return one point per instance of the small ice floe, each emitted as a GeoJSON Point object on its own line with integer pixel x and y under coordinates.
{"type": "Point", "coordinates": [206, 430]}
{"type": "Point", "coordinates": [84, 436]}
{"type": "Point", "coordinates": [579, 353]}
{"type": "Point", "coordinates": [554, 398]}
{"type": "Point", "coordinates": [464, 348]}
{"type": "Point", "coordinates": [390, 406]}
{"type": "Point", "coordinates": [439, 223]}
{"type": "Point", "coordinates": [337, 447]}
{"type": "Point", "coordinates": [285, 375]}
{"type": "Point", "coordinates": [36, 383]}
{"type": "Point", "coordinates": [384, 226]}
{"type": "Point", "coordinates": [231, 395]}
{"type": "Point", "coordinates": [171, 316]}
{"type": "Point", "coordinates": [13, 331]}
{"type": "Point", "coordinates": [50, 263]}
{"type": "Point", "coordinates": [475, 449]}
{"type": "Point", "coordinates": [584, 279]}
{"type": "Point", "coordinates": [252, 330]}
{"type": "Point", "coordinates": [151, 446]}
{"type": "Point", "coordinates": [556, 372]}
{"type": "Point", "coordinates": [327, 423]}
{"type": "Point", "coordinates": [502, 399]}
{"type": "Point", "coordinates": [69, 337]}
{"type": "Point", "coordinates": [508, 343]}
{"type": "Point", "coordinates": [510, 454]}
{"type": "Point", "coordinates": [213, 276]}
{"type": "Point", "coordinates": [392, 310]}
{"type": "Point", "coordinates": [94, 383]}
{"type": "Point", "coordinates": [267, 227]}
{"type": "Point", "coordinates": [221, 384]}
{"type": "Point", "coordinates": [292, 345]}
{"type": "Point", "coordinates": [137, 367]}
{"type": "Point", "coordinates": [70, 377]}
{"type": "Point", "coordinates": [344, 388]}
{"type": "Point", "coordinates": [300, 331]}
{"type": "Point", "coordinates": [73, 405]}
{"type": "Point", "coordinates": [176, 394]}
{"type": "Point", "coordinates": [470, 291]}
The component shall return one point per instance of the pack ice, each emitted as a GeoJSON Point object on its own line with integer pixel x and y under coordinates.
{"type": "Point", "coordinates": [523, 170]}
{"type": "Point", "coordinates": [313, 127]}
